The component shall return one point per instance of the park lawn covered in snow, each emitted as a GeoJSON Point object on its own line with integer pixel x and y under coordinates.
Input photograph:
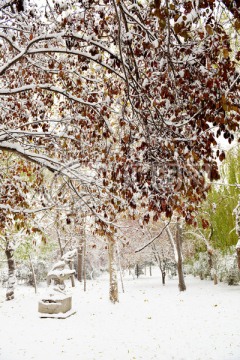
{"type": "Point", "coordinates": [151, 321]}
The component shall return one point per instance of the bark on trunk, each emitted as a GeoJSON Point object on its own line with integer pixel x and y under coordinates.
{"type": "Point", "coordinates": [237, 214]}
{"type": "Point", "coordinates": [80, 263]}
{"type": "Point", "coordinates": [58, 235]}
{"type": "Point", "coordinates": [163, 278]}
{"type": "Point", "coordinates": [11, 272]}
{"type": "Point", "coordinates": [137, 271]}
{"type": "Point", "coordinates": [113, 291]}
{"type": "Point", "coordinates": [72, 276]}
{"type": "Point", "coordinates": [34, 275]}
{"type": "Point", "coordinates": [85, 265]}
{"type": "Point", "coordinates": [177, 249]}
{"type": "Point", "coordinates": [181, 281]}
{"type": "Point", "coordinates": [120, 267]}
{"type": "Point", "coordinates": [210, 258]}
{"type": "Point", "coordinates": [160, 262]}
{"type": "Point", "coordinates": [238, 255]}
{"type": "Point", "coordinates": [212, 264]}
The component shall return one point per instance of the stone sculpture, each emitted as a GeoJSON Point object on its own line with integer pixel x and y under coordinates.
{"type": "Point", "coordinates": [58, 303]}
{"type": "Point", "coordinates": [62, 270]}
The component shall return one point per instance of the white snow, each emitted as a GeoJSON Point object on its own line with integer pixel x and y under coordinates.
{"type": "Point", "coordinates": [155, 43]}
{"type": "Point", "coordinates": [151, 321]}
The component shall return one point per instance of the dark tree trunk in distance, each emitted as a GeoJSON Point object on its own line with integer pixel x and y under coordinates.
{"type": "Point", "coordinates": [163, 277]}
{"type": "Point", "coordinates": [137, 271]}
{"type": "Point", "coordinates": [150, 269]}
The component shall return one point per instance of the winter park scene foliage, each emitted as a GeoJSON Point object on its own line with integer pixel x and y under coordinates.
{"type": "Point", "coordinates": [119, 179]}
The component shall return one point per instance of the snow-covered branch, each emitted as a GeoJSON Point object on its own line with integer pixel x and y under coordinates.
{"type": "Point", "coordinates": [154, 238]}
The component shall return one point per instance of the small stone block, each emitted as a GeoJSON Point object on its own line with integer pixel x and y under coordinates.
{"type": "Point", "coordinates": [55, 305]}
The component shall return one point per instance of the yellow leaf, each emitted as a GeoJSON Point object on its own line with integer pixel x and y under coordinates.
{"type": "Point", "coordinates": [225, 53]}
{"type": "Point", "coordinates": [209, 29]}
{"type": "Point", "coordinates": [225, 107]}
{"type": "Point", "coordinates": [234, 108]}
{"type": "Point", "coordinates": [237, 24]}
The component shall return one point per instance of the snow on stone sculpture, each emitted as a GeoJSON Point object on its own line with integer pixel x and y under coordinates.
{"type": "Point", "coordinates": [57, 302]}
{"type": "Point", "coordinates": [62, 271]}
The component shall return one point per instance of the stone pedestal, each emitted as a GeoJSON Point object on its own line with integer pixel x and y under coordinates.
{"type": "Point", "coordinates": [56, 306]}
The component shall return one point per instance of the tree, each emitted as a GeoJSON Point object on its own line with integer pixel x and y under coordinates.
{"type": "Point", "coordinates": [17, 219]}
{"type": "Point", "coordinates": [131, 92]}
{"type": "Point", "coordinates": [221, 202]}
{"type": "Point", "coordinates": [186, 42]}
{"type": "Point", "coordinates": [217, 223]}
{"type": "Point", "coordinates": [177, 247]}
{"type": "Point", "coordinates": [178, 94]}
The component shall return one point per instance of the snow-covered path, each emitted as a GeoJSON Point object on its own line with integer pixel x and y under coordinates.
{"type": "Point", "coordinates": [150, 322]}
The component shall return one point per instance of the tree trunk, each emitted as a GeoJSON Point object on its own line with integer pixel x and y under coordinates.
{"type": "Point", "coordinates": [137, 270]}
{"type": "Point", "coordinates": [238, 255]}
{"type": "Point", "coordinates": [237, 214]}
{"type": "Point", "coordinates": [72, 276]}
{"type": "Point", "coordinates": [80, 263]}
{"type": "Point", "coordinates": [120, 267]}
{"type": "Point", "coordinates": [113, 291]}
{"type": "Point", "coordinates": [212, 264]}
{"type": "Point", "coordinates": [85, 264]}
{"type": "Point", "coordinates": [58, 234]}
{"type": "Point", "coordinates": [210, 258]}
{"type": "Point", "coordinates": [181, 281]}
{"type": "Point", "coordinates": [215, 279]}
{"type": "Point", "coordinates": [163, 277]}
{"type": "Point", "coordinates": [11, 272]}
{"type": "Point", "coordinates": [177, 249]}
{"type": "Point", "coordinates": [160, 263]}
{"type": "Point", "coordinates": [34, 275]}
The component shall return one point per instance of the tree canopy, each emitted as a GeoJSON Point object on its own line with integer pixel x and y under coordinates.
{"type": "Point", "coordinates": [124, 98]}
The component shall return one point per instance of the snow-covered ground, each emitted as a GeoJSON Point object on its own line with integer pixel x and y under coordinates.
{"type": "Point", "coordinates": [151, 321]}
